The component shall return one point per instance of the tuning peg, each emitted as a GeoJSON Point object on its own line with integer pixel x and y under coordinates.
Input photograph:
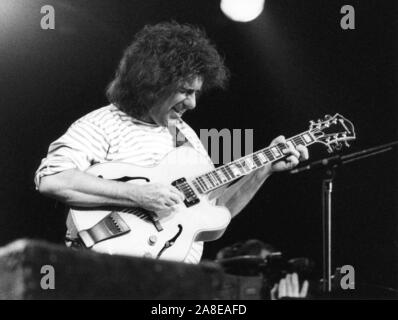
{"type": "Point", "coordinates": [329, 141]}
{"type": "Point", "coordinates": [330, 149]}
{"type": "Point", "coordinates": [313, 125]}
{"type": "Point", "coordinates": [346, 144]}
{"type": "Point", "coordinates": [338, 146]}
{"type": "Point", "coordinates": [328, 116]}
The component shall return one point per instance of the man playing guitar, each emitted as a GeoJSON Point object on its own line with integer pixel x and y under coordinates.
{"type": "Point", "coordinates": [158, 79]}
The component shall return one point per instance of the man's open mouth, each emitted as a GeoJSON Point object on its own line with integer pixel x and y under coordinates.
{"type": "Point", "coordinates": [178, 112]}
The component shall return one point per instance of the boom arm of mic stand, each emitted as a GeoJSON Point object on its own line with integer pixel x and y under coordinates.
{"type": "Point", "coordinates": [331, 161]}
{"type": "Point", "coordinates": [338, 160]}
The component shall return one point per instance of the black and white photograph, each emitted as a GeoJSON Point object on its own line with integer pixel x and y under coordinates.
{"type": "Point", "coordinates": [196, 155]}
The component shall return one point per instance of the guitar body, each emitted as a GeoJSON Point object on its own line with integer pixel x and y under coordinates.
{"type": "Point", "coordinates": [197, 219]}
{"type": "Point", "coordinates": [202, 221]}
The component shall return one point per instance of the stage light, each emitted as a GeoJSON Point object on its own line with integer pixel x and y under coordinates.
{"type": "Point", "coordinates": [242, 10]}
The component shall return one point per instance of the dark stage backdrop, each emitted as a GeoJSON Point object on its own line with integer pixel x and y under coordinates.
{"type": "Point", "coordinates": [294, 63]}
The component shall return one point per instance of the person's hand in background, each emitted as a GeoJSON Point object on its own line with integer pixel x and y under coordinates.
{"type": "Point", "coordinates": [289, 287]}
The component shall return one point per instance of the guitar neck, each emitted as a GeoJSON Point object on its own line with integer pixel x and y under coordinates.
{"type": "Point", "coordinates": [243, 166]}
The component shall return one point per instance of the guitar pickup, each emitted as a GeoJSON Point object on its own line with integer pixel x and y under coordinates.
{"type": "Point", "coordinates": [190, 196]}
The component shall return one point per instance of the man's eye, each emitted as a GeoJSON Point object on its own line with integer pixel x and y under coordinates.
{"type": "Point", "coordinates": [188, 92]}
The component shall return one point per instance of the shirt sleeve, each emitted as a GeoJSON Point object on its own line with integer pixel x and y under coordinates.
{"type": "Point", "coordinates": [83, 145]}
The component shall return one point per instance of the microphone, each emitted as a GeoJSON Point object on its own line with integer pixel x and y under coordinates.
{"type": "Point", "coordinates": [331, 161]}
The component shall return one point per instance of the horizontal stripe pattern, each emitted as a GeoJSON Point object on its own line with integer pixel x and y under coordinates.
{"type": "Point", "coordinates": [108, 134]}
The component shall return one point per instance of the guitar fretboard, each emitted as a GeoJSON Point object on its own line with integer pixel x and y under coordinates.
{"type": "Point", "coordinates": [247, 164]}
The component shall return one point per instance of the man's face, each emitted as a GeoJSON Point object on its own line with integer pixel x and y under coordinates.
{"type": "Point", "coordinates": [177, 103]}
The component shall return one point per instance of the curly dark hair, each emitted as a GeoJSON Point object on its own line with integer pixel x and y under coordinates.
{"type": "Point", "coordinates": [160, 59]}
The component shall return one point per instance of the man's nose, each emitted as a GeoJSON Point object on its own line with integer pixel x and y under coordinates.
{"type": "Point", "coordinates": [190, 101]}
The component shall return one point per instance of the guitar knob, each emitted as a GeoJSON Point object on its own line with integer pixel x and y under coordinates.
{"type": "Point", "coordinates": [152, 240]}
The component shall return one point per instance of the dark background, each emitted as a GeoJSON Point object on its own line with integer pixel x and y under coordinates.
{"type": "Point", "coordinates": [292, 64]}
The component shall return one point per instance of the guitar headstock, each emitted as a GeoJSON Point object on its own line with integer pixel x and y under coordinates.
{"type": "Point", "coordinates": [333, 131]}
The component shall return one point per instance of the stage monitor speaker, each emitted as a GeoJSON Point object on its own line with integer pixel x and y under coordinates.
{"type": "Point", "coordinates": [32, 269]}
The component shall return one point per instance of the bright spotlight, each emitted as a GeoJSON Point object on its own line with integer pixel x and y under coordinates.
{"type": "Point", "coordinates": [242, 10]}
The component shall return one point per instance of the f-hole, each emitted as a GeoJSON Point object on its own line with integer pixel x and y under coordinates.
{"type": "Point", "coordinates": [170, 242]}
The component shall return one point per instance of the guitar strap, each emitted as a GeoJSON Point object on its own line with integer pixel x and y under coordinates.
{"type": "Point", "coordinates": [184, 134]}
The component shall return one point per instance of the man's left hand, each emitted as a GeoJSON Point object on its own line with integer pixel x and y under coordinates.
{"type": "Point", "coordinates": [293, 156]}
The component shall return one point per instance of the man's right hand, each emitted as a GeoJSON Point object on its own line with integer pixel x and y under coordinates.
{"type": "Point", "coordinates": [158, 198]}
{"type": "Point", "coordinates": [76, 188]}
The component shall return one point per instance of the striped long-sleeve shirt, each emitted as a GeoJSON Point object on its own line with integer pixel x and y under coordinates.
{"type": "Point", "coordinates": [108, 134]}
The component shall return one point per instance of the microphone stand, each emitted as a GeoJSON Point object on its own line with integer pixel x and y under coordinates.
{"type": "Point", "coordinates": [330, 165]}
{"type": "Point", "coordinates": [327, 189]}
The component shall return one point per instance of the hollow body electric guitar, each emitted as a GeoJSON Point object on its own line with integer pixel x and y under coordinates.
{"type": "Point", "coordinates": [137, 232]}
